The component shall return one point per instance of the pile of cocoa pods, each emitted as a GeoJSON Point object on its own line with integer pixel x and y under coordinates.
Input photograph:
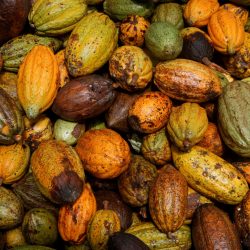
{"type": "Point", "coordinates": [124, 124]}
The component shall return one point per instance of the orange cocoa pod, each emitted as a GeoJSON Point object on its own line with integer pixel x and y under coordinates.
{"type": "Point", "coordinates": [104, 153]}
{"type": "Point", "coordinates": [73, 219]}
{"type": "Point", "coordinates": [38, 81]}
{"type": "Point", "coordinates": [198, 12]}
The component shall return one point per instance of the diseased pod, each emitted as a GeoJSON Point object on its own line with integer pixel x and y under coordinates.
{"type": "Point", "coordinates": [124, 124]}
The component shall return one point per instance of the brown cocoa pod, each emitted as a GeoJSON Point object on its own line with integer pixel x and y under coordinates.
{"type": "Point", "coordinates": [242, 220]}
{"type": "Point", "coordinates": [110, 200]}
{"type": "Point", "coordinates": [194, 200]}
{"type": "Point", "coordinates": [212, 229]}
{"type": "Point", "coordinates": [244, 168]}
{"type": "Point", "coordinates": [135, 182]}
{"type": "Point", "coordinates": [116, 116]}
{"type": "Point", "coordinates": [168, 199]}
{"type": "Point", "coordinates": [212, 140]}
{"type": "Point", "coordinates": [84, 97]}
{"type": "Point", "coordinates": [13, 15]}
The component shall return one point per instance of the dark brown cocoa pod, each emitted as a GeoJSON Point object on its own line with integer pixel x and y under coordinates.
{"type": "Point", "coordinates": [84, 97]}
{"type": "Point", "coordinates": [212, 229]}
{"type": "Point", "coordinates": [242, 220]}
{"type": "Point", "coordinates": [135, 182]}
{"type": "Point", "coordinates": [102, 184]}
{"type": "Point", "coordinates": [196, 45]}
{"type": "Point", "coordinates": [116, 116]}
{"type": "Point", "coordinates": [110, 200]}
{"type": "Point", "coordinates": [13, 16]}
{"type": "Point", "coordinates": [168, 199]}
{"type": "Point", "coordinates": [125, 241]}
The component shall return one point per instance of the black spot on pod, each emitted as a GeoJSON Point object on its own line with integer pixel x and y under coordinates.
{"type": "Point", "coordinates": [66, 187]}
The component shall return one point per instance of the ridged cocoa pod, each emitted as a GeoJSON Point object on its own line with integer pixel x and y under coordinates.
{"type": "Point", "coordinates": [117, 114]}
{"type": "Point", "coordinates": [156, 148]}
{"type": "Point", "coordinates": [194, 200]}
{"type": "Point", "coordinates": [111, 200]}
{"type": "Point", "coordinates": [187, 80]}
{"type": "Point", "coordinates": [168, 199]}
{"type": "Point", "coordinates": [212, 229]}
{"type": "Point", "coordinates": [84, 97]}
{"type": "Point", "coordinates": [242, 220]}
{"type": "Point", "coordinates": [135, 182]}
{"type": "Point", "coordinates": [11, 121]}
{"type": "Point", "coordinates": [125, 241]}
{"type": "Point", "coordinates": [11, 209]}
{"type": "Point", "coordinates": [31, 197]}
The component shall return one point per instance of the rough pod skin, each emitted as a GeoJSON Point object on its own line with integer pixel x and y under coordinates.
{"type": "Point", "coordinates": [212, 229]}
{"type": "Point", "coordinates": [226, 31]}
{"type": "Point", "coordinates": [168, 199]}
{"type": "Point", "coordinates": [104, 153]}
{"type": "Point", "coordinates": [156, 148]}
{"type": "Point", "coordinates": [131, 68]}
{"type": "Point", "coordinates": [38, 81]}
{"type": "Point", "coordinates": [135, 182]}
{"type": "Point", "coordinates": [210, 175]}
{"type": "Point", "coordinates": [187, 80]}
{"type": "Point", "coordinates": [73, 219]}
{"type": "Point", "coordinates": [14, 161]}
{"type": "Point", "coordinates": [150, 112]}
{"type": "Point", "coordinates": [242, 220]}
{"type": "Point", "coordinates": [132, 30]}
{"type": "Point", "coordinates": [90, 44]}
{"type": "Point", "coordinates": [84, 97]}
{"type": "Point", "coordinates": [187, 125]}
{"type": "Point", "coordinates": [198, 12]}
{"type": "Point", "coordinates": [103, 224]}
{"type": "Point", "coordinates": [58, 171]}
{"type": "Point", "coordinates": [13, 14]}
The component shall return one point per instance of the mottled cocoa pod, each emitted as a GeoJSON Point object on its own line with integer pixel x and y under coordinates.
{"type": "Point", "coordinates": [84, 97]}
{"type": "Point", "coordinates": [110, 200]}
{"type": "Point", "coordinates": [242, 220]}
{"type": "Point", "coordinates": [212, 229]}
{"type": "Point", "coordinates": [168, 199]}
{"type": "Point", "coordinates": [116, 116]}
{"type": "Point", "coordinates": [135, 182]}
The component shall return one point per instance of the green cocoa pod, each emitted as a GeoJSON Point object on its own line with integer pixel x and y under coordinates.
{"type": "Point", "coordinates": [68, 131]}
{"type": "Point", "coordinates": [11, 209]}
{"type": "Point", "coordinates": [163, 40]}
{"type": "Point", "coordinates": [170, 12]}
{"type": "Point", "coordinates": [56, 17]}
{"type": "Point", "coordinates": [40, 227]}
{"type": "Point", "coordinates": [91, 44]}
{"type": "Point", "coordinates": [14, 51]}
{"type": "Point", "coordinates": [119, 9]}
